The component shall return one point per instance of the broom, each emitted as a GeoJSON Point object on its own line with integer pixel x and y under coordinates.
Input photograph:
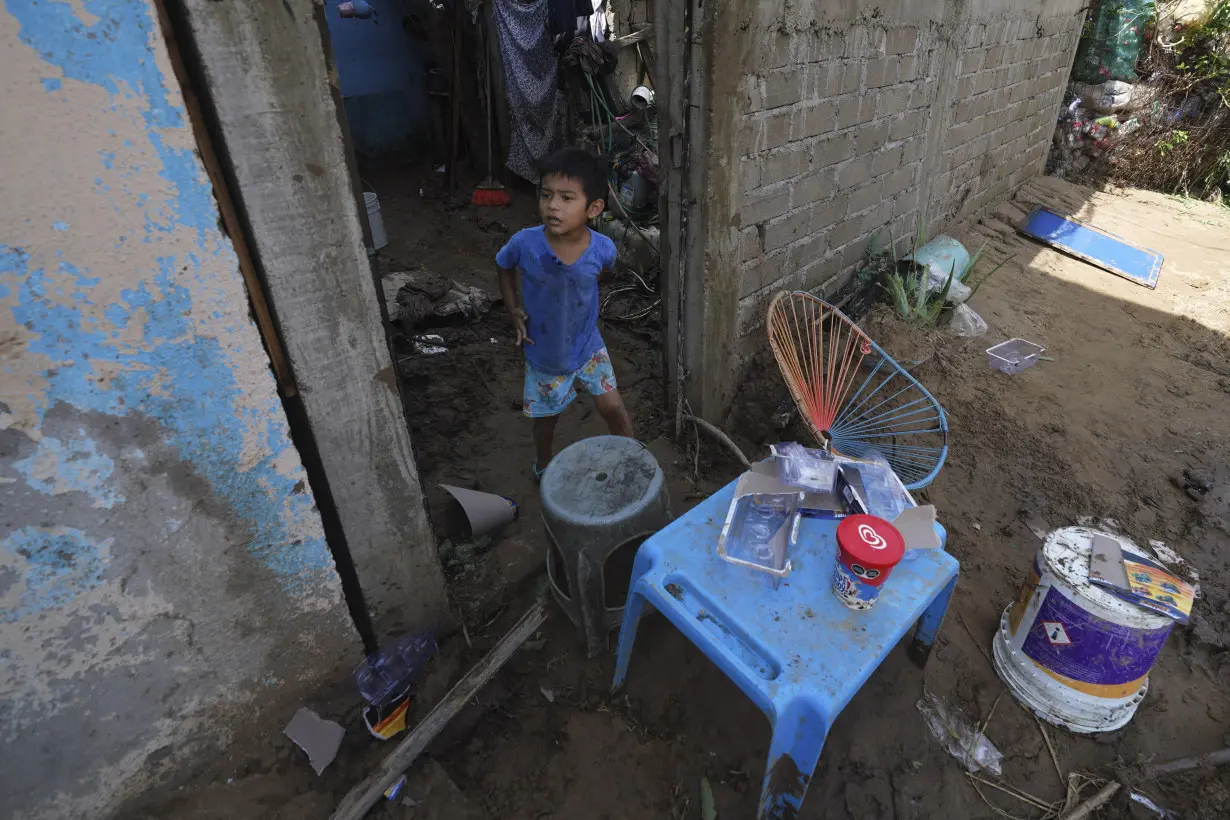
{"type": "Point", "coordinates": [489, 192]}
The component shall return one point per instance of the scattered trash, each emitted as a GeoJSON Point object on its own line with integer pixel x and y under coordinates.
{"type": "Point", "coordinates": [1183, 764]}
{"type": "Point", "coordinates": [943, 255]}
{"type": "Point", "coordinates": [421, 293]}
{"type": "Point", "coordinates": [1137, 797]}
{"type": "Point", "coordinates": [429, 345]}
{"type": "Point", "coordinates": [708, 811]}
{"type": "Point", "coordinates": [784, 414]}
{"type": "Point", "coordinates": [384, 679]}
{"type": "Point", "coordinates": [1095, 246]}
{"type": "Point", "coordinates": [359, 800]}
{"type": "Point", "coordinates": [1013, 356]}
{"type": "Point", "coordinates": [917, 527]}
{"type": "Point", "coordinates": [970, 748]}
{"type": "Point", "coordinates": [484, 511]}
{"type": "Point", "coordinates": [1091, 805]}
{"type": "Point", "coordinates": [1105, 98]}
{"type": "Point", "coordinates": [937, 277]}
{"type": "Point", "coordinates": [392, 791]}
{"type": "Point", "coordinates": [977, 526]}
{"type": "Point", "coordinates": [966, 322]}
{"type": "Point", "coordinates": [548, 693]}
{"type": "Point", "coordinates": [1177, 563]}
{"type": "Point", "coordinates": [318, 737]}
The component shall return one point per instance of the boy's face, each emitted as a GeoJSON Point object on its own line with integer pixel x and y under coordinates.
{"type": "Point", "coordinates": [562, 205]}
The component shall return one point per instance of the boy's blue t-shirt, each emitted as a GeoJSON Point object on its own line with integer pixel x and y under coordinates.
{"type": "Point", "coordinates": [561, 300]}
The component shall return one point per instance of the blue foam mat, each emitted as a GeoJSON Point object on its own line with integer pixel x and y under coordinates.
{"type": "Point", "coordinates": [1095, 246]}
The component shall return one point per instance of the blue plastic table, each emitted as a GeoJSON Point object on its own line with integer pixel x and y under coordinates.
{"type": "Point", "coordinates": [796, 651]}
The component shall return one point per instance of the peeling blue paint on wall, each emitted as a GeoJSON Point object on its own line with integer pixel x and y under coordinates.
{"type": "Point", "coordinates": [75, 465]}
{"type": "Point", "coordinates": [197, 401]}
{"type": "Point", "coordinates": [61, 563]}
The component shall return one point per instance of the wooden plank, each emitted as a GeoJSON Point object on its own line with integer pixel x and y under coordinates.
{"type": "Point", "coordinates": [230, 219]}
{"type": "Point", "coordinates": [264, 71]}
{"type": "Point", "coordinates": [633, 38]}
{"type": "Point", "coordinates": [359, 800]}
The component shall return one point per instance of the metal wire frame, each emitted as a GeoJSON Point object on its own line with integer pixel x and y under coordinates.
{"type": "Point", "coordinates": [855, 398]}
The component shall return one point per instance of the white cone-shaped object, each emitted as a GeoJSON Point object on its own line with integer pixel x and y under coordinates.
{"type": "Point", "coordinates": [484, 511]}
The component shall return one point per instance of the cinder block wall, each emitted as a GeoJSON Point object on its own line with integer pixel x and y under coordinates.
{"type": "Point", "coordinates": [829, 124]}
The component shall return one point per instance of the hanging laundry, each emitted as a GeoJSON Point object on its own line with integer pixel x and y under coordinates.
{"type": "Point", "coordinates": [563, 15]}
{"type": "Point", "coordinates": [597, 21]}
{"type": "Point", "coordinates": [530, 77]}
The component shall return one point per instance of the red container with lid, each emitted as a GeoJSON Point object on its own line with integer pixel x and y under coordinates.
{"type": "Point", "coordinates": [868, 548]}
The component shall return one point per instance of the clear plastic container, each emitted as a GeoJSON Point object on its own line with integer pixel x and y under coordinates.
{"type": "Point", "coordinates": [386, 674]}
{"type": "Point", "coordinates": [759, 530]}
{"type": "Point", "coordinates": [799, 466]}
{"type": "Point", "coordinates": [883, 494]}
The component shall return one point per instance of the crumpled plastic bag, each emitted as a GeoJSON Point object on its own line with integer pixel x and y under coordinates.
{"type": "Point", "coordinates": [965, 322]}
{"type": "Point", "coordinates": [1105, 98]}
{"type": "Point", "coordinates": [958, 292]}
{"type": "Point", "coordinates": [950, 728]}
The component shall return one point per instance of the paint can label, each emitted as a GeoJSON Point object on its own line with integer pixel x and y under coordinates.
{"type": "Point", "coordinates": [1096, 656]}
{"type": "Point", "coordinates": [853, 591]}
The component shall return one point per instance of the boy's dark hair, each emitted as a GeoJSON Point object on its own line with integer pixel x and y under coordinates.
{"type": "Point", "coordinates": [580, 165]}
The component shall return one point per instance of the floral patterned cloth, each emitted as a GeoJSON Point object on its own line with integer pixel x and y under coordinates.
{"type": "Point", "coordinates": [546, 394]}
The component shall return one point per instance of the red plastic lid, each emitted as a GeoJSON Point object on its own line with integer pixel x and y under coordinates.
{"type": "Point", "coordinates": [870, 541]}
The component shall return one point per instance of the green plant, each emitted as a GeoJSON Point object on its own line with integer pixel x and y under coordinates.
{"type": "Point", "coordinates": [968, 271]}
{"type": "Point", "coordinates": [1170, 142]}
{"type": "Point", "coordinates": [912, 300]}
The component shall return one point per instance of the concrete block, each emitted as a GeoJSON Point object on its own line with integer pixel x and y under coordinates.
{"type": "Point", "coordinates": [851, 77]}
{"type": "Point", "coordinates": [751, 244]}
{"type": "Point", "coordinates": [975, 35]}
{"type": "Point", "coordinates": [971, 62]}
{"type": "Point", "coordinates": [780, 232]}
{"type": "Point", "coordinates": [908, 125]}
{"type": "Point", "coordinates": [832, 150]}
{"type": "Point", "coordinates": [845, 231]}
{"type": "Point", "coordinates": [824, 80]}
{"type": "Point", "coordinates": [902, 41]}
{"type": "Point", "coordinates": [898, 181]}
{"type": "Point", "coordinates": [847, 110]}
{"type": "Point", "coordinates": [853, 173]}
{"type": "Point", "coordinates": [923, 94]}
{"type": "Point", "coordinates": [783, 86]}
{"type": "Point", "coordinates": [880, 72]}
{"type": "Point", "coordinates": [907, 68]}
{"type": "Point", "coordinates": [984, 81]}
{"type": "Point", "coordinates": [825, 215]}
{"type": "Point", "coordinates": [890, 101]}
{"type": "Point", "coordinates": [864, 197]}
{"type": "Point", "coordinates": [765, 203]}
{"type": "Point", "coordinates": [814, 120]}
{"type": "Point", "coordinates": [773, 130]}
{"type": "Point", "coordinates": [853, 252]}
{"type": "Point", "coordinates": [815, 187]}
{"type": "Point", "coordinates": [877, 219]}
{"type": "Point", "coordinates": [783, 164]}
{"type": "Point", "coordinates": [806, 250]}
{"type": "Point", "coordinates": [906, 201]}
{"type": "Point", "coordinates": [775, 50]}
{"type": "Point", "coordinates": [994, 57]}
{"type": "Point", "coordinates": [882, 162]}
{"type": "Point", "coordinates": [749, 175]}
{"type": "Point", "coordinates": [873, 136]}
{"type": "Point", "coordinates": [912, 150]}
{"type": "Point", "coordinates": [864, 41]}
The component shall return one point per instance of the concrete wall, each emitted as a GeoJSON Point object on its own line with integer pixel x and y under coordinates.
{"type": "Point", "coordinates": [827, 123]}
{"type": "Point", "coordinates": [163, 573]}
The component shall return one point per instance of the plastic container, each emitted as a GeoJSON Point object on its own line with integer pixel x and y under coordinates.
{"type": "Point", "coordinates": [1013, 356]}
{"type": "Point", "coordinates": [1074, 653]}
{"type": "Point", "coordinates": [375, 222]}
{"type": "Point", "coordinates": [799, 466]}
{"type": "Point", "coordinates": [868, 548]}
{"type": "Point", "coordinates": [386, 674]}
{"type": "Point", "coordinates": [759, 530]}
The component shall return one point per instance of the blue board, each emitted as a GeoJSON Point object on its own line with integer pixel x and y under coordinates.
{"type": "Point", "coordinates": [1095, 246]}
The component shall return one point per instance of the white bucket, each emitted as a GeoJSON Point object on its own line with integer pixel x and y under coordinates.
{"type": "Point", "coordinates": [375, 222]}
{"type": "Point", "coordinates": [1069, 650]}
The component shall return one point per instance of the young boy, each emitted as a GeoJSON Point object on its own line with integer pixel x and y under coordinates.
{"type": "Point", "coordinates": [557, 328]}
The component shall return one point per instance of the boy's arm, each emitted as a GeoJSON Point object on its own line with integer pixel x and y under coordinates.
{"type": "Point", "coordinates": [516, 314]}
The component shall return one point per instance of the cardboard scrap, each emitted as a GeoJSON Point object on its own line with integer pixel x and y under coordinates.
{"type": "Point", "coordinates": [318, 737]}
{"type": "Point", "coordinates": [917, 527]}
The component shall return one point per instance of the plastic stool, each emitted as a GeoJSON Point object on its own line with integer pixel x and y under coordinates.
{"type": "Point", "coordinates": [598, 495]}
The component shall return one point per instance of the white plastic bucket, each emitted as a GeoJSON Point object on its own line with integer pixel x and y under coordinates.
{"type": "Point", "coordinates": [1069, 650]}
{"type": "Point", "coordinates": [375, 222]}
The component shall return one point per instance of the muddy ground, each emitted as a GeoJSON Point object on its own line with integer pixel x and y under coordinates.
{"type": "Point", "coordinates": [1136, 390]}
